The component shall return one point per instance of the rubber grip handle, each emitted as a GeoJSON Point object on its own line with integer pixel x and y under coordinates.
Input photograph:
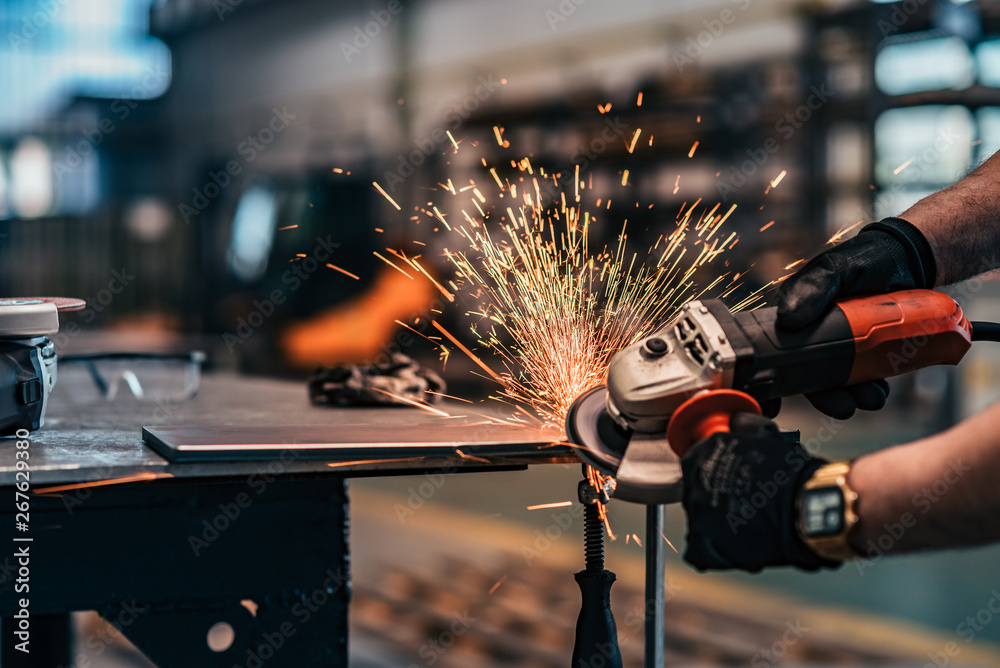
{"type": "Point", "coordinates": [904, 331]}
{"type": "Point", "coordinates": [860, 339]}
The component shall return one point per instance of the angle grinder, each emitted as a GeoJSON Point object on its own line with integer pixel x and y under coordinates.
{"type": "Point", "coordinates": [28, 359]}
{"type": "Point", "coordinates": [682, 383]}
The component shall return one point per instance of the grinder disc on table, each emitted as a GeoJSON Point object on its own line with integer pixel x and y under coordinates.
{"type": "Point", "coordinates": [22, 317]}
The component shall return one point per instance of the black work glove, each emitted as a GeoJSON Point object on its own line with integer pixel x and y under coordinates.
{"type": "Point", "coordinates": [739, 495]}
{"type": "Point", "coordinates": [886, 256]}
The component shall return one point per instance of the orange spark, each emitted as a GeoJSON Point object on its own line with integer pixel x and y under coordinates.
{"type": "Point", "coordinates": [343, 271]}
{"type": "Point", "coordinates": [447, 396]}
{"type": "Point", "coordinates": [638, 102]}
{"type": "Point", "coordinates": [358, 462]}
{"type": "Point", "coordinates": [668, 542]}
{"type": "Point", "coordinates": [625, 178]}
{"type": "Point", "coordinates": [497, 585]}
{"type": "Point", "coordinates": [472, 457]}
{"type": "Point", "coordinates": [287, 227]}
{"type": "Point", "coordinates": [841, 232]}
{"type": "Point", "coordinates": [558, 504]}
{"type": "Point", "coordinates": [386, 195]}
{"type": "Point", "coordinates": [635, 138]}
{"type": "Point", "coordinates": [468, 352]}
{"type": "Point", "coordinates": [417, 404]}
{"type": "Point", "coordinates": [391, 264]}
{"type": "Point", "coordinates": [694, 147]}
{"type": "Point", "coordinates": [767, 226]}
{"type": "Point", "coordinates": [139, 477]}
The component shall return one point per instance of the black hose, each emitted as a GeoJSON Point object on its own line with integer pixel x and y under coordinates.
{"type": "Point", "coordinates": [985, 331]}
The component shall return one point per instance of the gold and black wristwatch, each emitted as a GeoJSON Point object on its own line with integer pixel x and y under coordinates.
{"type": "Point", "coordinates": [826, 512]}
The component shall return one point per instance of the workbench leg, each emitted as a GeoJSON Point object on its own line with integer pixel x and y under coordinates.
{"type": "Point", "coordinates": [50, 642]}
{"type": "Point", "coordinates": [656, 563]}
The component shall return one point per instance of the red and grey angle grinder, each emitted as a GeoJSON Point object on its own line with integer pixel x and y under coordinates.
{"type": "Point", "coordinates": [682, 383]}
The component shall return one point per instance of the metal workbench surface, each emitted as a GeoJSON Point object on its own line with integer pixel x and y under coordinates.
{"type": "Point", "coordinates": [86, 438]}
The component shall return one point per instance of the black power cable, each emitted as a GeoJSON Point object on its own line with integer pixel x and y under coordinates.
{"type": "Point", "coordinates": [985, 331]}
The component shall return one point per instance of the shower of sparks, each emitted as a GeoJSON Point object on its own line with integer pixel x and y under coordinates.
{"type": "Point", "coordinates": [550, 307]}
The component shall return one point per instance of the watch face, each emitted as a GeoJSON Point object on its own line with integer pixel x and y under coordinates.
{"type": "Point", "coordinates": [822, 512]}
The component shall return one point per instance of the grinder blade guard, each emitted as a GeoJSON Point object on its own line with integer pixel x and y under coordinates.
{"type": "Point", "coordinates": [644, 467]}
{"type": "Point", "coordinates": [28, 359]}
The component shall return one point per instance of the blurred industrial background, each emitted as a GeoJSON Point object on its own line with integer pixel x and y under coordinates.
{"type": "Point", "coordinates": [184, 164]}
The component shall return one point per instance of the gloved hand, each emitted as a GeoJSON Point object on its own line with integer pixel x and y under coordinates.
{"type": "Point", "coordinates": [739, 495]}
{"type": "Point", "coordinates": [886, 256]}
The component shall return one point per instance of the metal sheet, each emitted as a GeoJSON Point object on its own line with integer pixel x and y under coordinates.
{"type": "Point", "coordinates": [88, 439]}
{"type": "Point", "coordinates": [367, 443]}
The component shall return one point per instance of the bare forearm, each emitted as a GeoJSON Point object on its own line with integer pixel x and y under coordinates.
{"type": "Point", "coordinates": [962, 224]}
{"type": "Point", "coordinates": [941, 491]}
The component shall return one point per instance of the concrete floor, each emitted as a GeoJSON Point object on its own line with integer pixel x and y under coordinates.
{"type": "Point", "coordinates": [936, 592]}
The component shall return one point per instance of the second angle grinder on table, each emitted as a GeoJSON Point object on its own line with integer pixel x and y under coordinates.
{"type": "Point", "coordinates": [682, 383]}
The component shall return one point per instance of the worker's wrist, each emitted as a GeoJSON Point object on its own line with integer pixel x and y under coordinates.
{"type": "Point", "coordinates": [916, 247]}
{"type": "Point", "coordinates": [861, 472]}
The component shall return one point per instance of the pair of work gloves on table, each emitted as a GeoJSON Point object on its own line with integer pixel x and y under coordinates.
{"type": "Point", "coordinates": [724, 472]}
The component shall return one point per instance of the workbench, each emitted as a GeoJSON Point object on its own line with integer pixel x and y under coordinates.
{"type": "Point", "coordinates": [166, 551]}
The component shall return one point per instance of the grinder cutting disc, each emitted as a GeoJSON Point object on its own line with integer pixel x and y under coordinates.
{"type": "Point", "coordinates": [25, 317]}
{"type": "Point", "coordinates": [589, 425]}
